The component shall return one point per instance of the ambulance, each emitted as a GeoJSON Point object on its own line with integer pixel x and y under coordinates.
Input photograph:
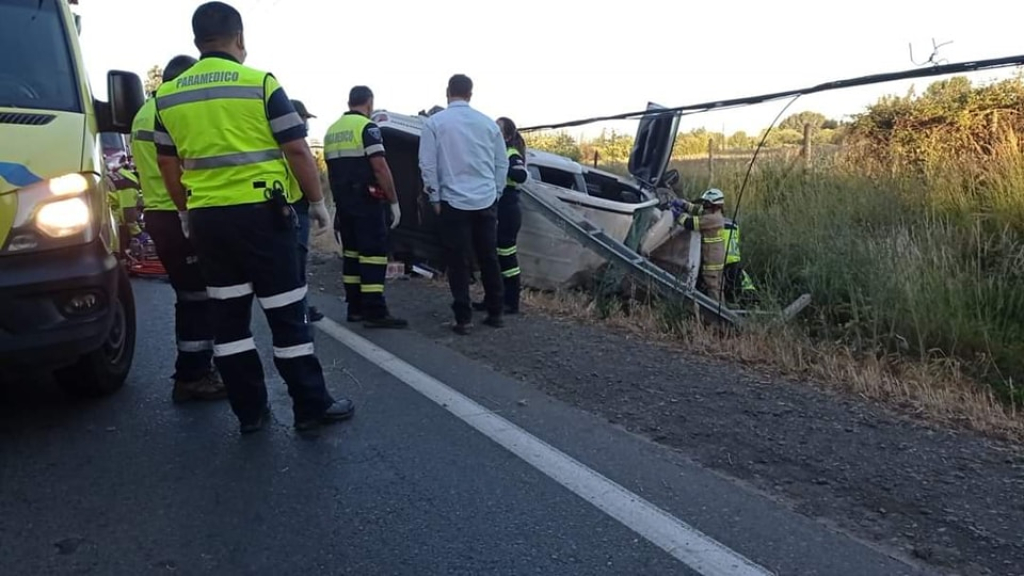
{"type": "Point", "coordinates": [66, 304]}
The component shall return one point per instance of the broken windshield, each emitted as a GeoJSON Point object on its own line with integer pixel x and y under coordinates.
{"type": "Point", "coordinates": [36, 70]}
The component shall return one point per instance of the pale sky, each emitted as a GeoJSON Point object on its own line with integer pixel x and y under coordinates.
{"type": "Point", "coordinates": [547, 61]}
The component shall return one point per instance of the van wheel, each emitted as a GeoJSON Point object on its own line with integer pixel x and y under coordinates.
{"type": "Point", "coordinates": [104, 370]}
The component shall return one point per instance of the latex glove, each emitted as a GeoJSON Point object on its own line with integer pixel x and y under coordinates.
{"type": "Point", "coordinates": [183, 216]}
{"type": "Point", "coordinates": [678, 207]}
{"type": "Point", "coordinates": [319, 215]}
{"type": "Point", "coordinates": [396, 215]}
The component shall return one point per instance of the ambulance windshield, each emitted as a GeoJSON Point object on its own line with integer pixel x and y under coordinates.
{"type": "Point", "coordinates": [36, 68]}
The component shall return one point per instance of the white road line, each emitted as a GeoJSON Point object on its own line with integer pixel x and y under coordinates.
{"type": "Point", "coordinates": [685, 543]}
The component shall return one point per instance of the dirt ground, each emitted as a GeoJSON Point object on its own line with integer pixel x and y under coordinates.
{"type": "Point", "coordinates": [951, 499]}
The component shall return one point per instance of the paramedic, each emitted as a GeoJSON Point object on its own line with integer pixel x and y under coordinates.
{"type": "Point", "coordinates": [362, 186]}
{"type": "Point", "coordinates": [227, 125]}
{"type": "Point", "coordinates": [195, 377]}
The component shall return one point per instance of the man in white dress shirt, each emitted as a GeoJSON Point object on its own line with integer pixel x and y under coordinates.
{"type": "Point", "coordinates": [464, 163]}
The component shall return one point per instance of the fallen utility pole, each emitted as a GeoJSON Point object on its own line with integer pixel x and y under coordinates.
{"type": "Point", "coordinates": [940, 70]}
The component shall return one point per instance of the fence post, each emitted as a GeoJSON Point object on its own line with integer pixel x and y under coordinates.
{"type": "Point", "coordinates": [595, 158]}
{"type": "Point", "coordinates": [711, 161]}
{"type": "Point", "coordinates": [805, 147]}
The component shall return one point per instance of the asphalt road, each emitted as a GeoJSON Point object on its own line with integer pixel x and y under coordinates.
{"type": "Point", "coordinates": [447, 468]}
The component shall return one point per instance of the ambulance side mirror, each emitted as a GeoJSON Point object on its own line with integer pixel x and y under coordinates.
{"type": "Point", "coordinates": [126, 98]}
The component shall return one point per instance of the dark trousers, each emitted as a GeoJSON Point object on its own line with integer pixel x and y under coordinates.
{"type": "Point", "coordinates": [192, 326]}
{"type": "Point", "coordinates": [246, 250]}
{"type": "Point", "coordinates": [471, 230]}
{"type": "Point", "coordinates": [510, 219]}
{"type": "Point", "coordinates": [364, 231]}
{"type": "Point", "coordinates": [302, 234]}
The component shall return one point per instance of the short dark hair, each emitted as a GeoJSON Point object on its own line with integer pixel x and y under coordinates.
{"type": "Point", "coordinates": [215, 22]}
{"type": "Point", "coordinates": [359, 96]}
{"type": "Point", "coordinates": [176, 66]}
{"type": "Point", "coordinates": [460, 86]}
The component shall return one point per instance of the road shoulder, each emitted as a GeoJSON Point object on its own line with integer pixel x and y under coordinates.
{"type": "Point", "coordinates": [951, 499]}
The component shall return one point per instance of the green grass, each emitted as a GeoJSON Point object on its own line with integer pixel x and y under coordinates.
{"type": "Point", "coordinates": [928, 264]}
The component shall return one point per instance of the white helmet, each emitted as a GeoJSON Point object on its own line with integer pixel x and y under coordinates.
{"type": "Point", "coordinates": [713, 196]}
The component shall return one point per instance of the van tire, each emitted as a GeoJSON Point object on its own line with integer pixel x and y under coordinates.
{"type": "Point", "coordinates": [104, 370]}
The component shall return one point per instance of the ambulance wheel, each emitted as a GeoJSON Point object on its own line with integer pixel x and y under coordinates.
{"type": "Point", "coordinates": [104, 370]}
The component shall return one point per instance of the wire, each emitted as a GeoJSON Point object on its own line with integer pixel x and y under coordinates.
{"type": "Point", "coordinates": [938, 70]}
{"type": "Point", "coordinates": [743, 188]}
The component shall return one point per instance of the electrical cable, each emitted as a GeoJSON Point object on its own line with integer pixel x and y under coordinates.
{"type": "Point", "coordinates": [743, 187]}
{"type": "Point", "coordinates": [940, 70]}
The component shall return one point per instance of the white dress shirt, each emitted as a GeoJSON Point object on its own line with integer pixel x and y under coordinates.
{"type": "Point", "coordinates": [462, 158]}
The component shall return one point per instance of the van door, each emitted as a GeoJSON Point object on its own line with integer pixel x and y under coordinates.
{"type": "Point", "coordinates": [652, 148]}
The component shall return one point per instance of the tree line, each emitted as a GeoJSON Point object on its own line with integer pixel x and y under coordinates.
{"type": "Point", "coordinates": [948, 118]}
{"type": "Point", "coordinates": [614, 147]}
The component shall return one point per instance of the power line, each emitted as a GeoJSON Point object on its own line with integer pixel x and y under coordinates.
{"type": "Point", "coordinates": [937, 70]}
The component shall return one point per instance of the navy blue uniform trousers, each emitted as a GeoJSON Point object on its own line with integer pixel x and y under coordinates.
{"type": "Point", "coordinates": [193, 329]}
{"type": "Point", "coordinates": [252, 250]}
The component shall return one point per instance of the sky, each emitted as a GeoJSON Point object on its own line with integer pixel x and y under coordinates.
{"type": "Point", "coordinates": [548, 61]}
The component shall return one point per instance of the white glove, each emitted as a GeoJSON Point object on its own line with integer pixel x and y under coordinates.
{"type": "Point", "coordinates": [396, 215]}
{"type": "Point", "coordinates": [318, 214]}
{"type": "Point", "coordinates": [183, 216]}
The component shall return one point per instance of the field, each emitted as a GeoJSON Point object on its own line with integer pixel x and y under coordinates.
{"type": "Point", "coordinates": [909, 236]}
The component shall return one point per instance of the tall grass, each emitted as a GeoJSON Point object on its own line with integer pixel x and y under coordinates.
{"type": "Point", "coordinates": [925, 262]}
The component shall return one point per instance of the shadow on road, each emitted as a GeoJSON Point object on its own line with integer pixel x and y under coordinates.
{"type": "Point", "coordinates": [35, 402]}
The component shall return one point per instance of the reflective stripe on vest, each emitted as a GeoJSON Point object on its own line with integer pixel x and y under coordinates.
{"type": "Point", "coordinates": [344, 138]}
{"type": "Point", "coordinates": [216, 117]}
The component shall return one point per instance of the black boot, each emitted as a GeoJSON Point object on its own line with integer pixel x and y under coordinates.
{"type": "Point", "coordinates": [512, 287]}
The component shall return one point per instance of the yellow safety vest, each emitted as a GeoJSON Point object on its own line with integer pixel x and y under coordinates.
{"type": "Point", "coordinates": [216, 116]}
{"type": "Point", "coordinates": [510, 151]}
{"type": "Point", "coordinates": [731, 235]}
{"type": "Point", "coordinates": [154, 192]}
{"type": "Point", "coordinates": [344, 138]}
{"type": "Point", "coordinates": [293, 192]}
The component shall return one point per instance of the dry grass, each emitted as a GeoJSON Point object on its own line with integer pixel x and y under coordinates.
{"type": "Point", "coordinates": [936, 391]}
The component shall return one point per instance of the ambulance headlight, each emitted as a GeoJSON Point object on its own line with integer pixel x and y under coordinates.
{"type": "Point", "coordinates": [63, 218]}
{"type": "Point", "coordinates": [69, 184]}
{"type": "Point", "coordinates": [54, 213]}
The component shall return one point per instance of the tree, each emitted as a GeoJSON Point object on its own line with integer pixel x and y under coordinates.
{"type": "Point", "coordinates": [611, 147]}
{"type": "Point", "coordinates": [740, 141]}
{"type": "Point", "coordinates": [560, 143]}
{"type": "Point", "coordinates": [154, 78]}
{"type": "Point", "coordinates": [796, 121]}
{"type": "Point", "coordinates": [782, 137]}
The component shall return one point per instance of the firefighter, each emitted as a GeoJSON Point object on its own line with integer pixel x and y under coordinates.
{"type": "Point", "coordinates": [510, 216]}
{"type": "Point", "coordinates": [229, 135]}
{"type": "Point", "coordinates": [707, 218]}
{"type": "Point", "coordinates": [195, 377]}
{"type": "Point", "coordinates": [737, 284]}
{"type": "Point", "coordinates": [362, 186]}
{"type": "Point", "coordinates": [298, 200]}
